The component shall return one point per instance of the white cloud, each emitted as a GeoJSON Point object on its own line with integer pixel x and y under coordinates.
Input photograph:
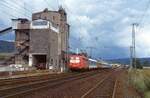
{"type": "Point", "coordinates": [108, 21]}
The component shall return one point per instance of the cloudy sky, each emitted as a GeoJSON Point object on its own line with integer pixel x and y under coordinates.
{"type": "Point", "coordinates": [104, 25]}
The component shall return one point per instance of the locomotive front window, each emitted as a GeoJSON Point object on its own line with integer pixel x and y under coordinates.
{"type": "Point", "coordinates": [72, 58]}
{"type": "Point", "coordinates": [77, 61]}
{"type": "Point", "coordinates": [77, 58]}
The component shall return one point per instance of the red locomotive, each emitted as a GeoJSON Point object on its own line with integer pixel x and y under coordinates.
{"type": "Point", "coordinates": [81, 61]}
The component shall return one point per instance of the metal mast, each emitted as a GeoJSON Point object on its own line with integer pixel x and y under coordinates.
{"type": "Point", "coordinates": [131, 57]}
{"type": "Point", "coordinates": [133, 47]}
{"type": "Point", "coordinates": [91, 48]}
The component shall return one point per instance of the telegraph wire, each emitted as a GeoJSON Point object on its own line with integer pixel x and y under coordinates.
{"type": "Point", "coordinates": [48, 4]}
{"type": "Point", "coordinates": [81, 37]}
{"type": "Point", "coordinates": [141, 20]}
{"type": "Point", "coordinates": [17, 5]}
{"type": "Point", "coordinates": [7, 6]}
{"type": "Point", "coordinates": [4, 6]}
{"type": "Point", "coordinates": [6, 13]}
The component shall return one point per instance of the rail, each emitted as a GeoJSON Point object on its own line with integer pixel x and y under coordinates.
{"type": "Point", "coordinates": [96, 86]}
{"type": "Point", "coordinates": [115, 88]}
{"type": "Point", "coordinates": [113, 77]}
{"type": "Point", "coordinates": [26, 88]}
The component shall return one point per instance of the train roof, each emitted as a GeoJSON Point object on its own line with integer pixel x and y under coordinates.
{"type": "Point", "coordinates": [93, 60]}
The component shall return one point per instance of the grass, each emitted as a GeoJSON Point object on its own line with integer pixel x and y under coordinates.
{"type": "Point", "coordinates": [3, 56]}
{"type": "Point", "coordinates": [140, 79]}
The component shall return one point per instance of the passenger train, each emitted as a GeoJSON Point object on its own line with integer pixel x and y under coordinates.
{"type": "Point", "coordinates": [81, 61]}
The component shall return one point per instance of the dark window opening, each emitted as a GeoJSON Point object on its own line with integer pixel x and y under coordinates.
{"type": "Point", "coordinates": [53, 17]}
{"type": "Point", "coordinates": [52, 61]}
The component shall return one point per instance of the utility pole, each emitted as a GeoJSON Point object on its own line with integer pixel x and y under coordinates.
{"type": "Point", "coordinates": [131, 58]}
{"type": "Point", "coordinates": [91, 50]}
{"type": "Point", "coordinates": [134, 25]}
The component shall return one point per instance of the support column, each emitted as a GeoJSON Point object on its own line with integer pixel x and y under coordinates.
{"type": "Point", "coordinates": [30, 60]}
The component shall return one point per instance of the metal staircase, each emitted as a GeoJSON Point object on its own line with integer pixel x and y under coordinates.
{"type": "Point", "coordinates": [22, 48]}
{"type": "Point", "coordinates": [7, 30]}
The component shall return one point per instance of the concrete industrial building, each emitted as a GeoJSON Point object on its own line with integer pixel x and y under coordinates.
{"type": "Point", "coordinates": [44, 40]}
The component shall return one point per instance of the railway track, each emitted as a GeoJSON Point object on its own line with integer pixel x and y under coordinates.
{"type": "Point", "coordinates": [23, 89]}
{"type": "Point", "coordinates": [82, 88]}
{"type": "Point", "coordinates": [105, 88]}
{"type": "Point", "coordinates": [23, 80]}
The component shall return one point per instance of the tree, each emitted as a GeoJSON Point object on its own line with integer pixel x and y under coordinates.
{"type": "Point", "coordinates": [138, 64]}
{"type": "Point", "coordinates": [146, 63]}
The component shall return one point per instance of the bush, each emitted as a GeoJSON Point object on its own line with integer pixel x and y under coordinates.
{"type": "Point", "coordinates": [138, 64]}
{"type": "Point", "coordinates": [141, 80]}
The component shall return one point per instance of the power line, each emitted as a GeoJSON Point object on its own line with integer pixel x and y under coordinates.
{"type": "Point", "coordinates": [17, 5]}
{"type": "Point", "coordinates": [58, 3]}
{"type": "Point", "coordinates": [4, 12]}
{"type": "Point", "coordinates": [91, 48]}
{"type": "Point", "coordinates": [8, 13]}
{"type": "Point", "coordinates": [141, 20]}
{"type": "Point", "coordinates": [48, 4]}
{"type": "Point", "coordinates": [7, 6]}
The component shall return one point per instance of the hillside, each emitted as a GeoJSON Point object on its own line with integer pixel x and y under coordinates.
{"type": "Point", "coordinates": [126, 61]}
{"type": "Point", "coordinates": [6, 47]}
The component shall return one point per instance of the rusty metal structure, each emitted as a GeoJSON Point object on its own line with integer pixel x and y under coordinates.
{"type": "Point", "coordinates": [44, 40]}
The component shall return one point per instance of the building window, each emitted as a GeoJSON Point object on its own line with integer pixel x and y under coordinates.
{"type": "Point", "coordinates": [52, 61]}
{"type": "Point", "coordinates": [56, 62]}
{"type": "Point", "coordinates": [38, 16]}
{"type": "Point", "coordinates": [54, 18]}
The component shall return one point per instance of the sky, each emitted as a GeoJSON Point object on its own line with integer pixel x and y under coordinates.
{"type": "Point", "coordinates": [104, 25]}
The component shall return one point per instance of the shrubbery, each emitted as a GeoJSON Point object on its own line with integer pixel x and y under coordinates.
{"type": "Point", "coordinates": [141, 80]}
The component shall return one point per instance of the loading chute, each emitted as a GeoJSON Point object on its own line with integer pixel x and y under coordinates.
{"type": "Point", "coordinates": [6, 30]}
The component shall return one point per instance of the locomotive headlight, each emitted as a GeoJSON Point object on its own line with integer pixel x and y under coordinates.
{"type": "Point", "coordinates": [77, 61]}
{"type": "Point", "coordinates": [74, 61]}
{"type": "Point", "coordinates": [71, 61]}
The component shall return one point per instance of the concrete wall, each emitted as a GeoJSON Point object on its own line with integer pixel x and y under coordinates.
{"type": "Point", "coordinates": [58, 18]}
{"type": "Point", "coordinates": [47, 41]}
{"type": "Point", "coordinates": [39, 40]}
{"type": "Point", "coordinates": [52, 16]}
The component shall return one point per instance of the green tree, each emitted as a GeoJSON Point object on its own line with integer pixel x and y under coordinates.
{"type": "Point", "coordinates": [146, 63]}
{"type": "Point", "coordinates": [138, 64]}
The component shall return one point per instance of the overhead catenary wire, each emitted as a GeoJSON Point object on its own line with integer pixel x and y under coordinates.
{"type": "Point", "coordinates": [19, 12]}
{"type": "Point", "coordinates": [58, 3]}
{"type": "Point", "coordinates": [11, 15]}
{"type": "Point", "coordinates": [81, 37]}
{"type": "Point", "coordinates": [48, 4]}
{"type": "Point", "coordinates": [134, 26]}
{"type": "Point", "coordinates": [141, 19]}
{"type": "Point", "coordinates": [7, 13]}
{"type": "Point", "coordinates": [17, 5]}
